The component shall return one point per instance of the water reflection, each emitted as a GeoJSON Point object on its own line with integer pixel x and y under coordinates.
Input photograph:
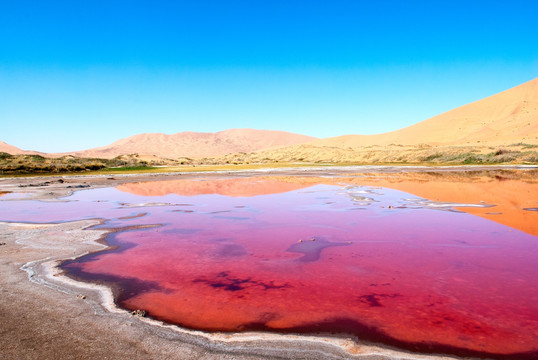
{"type": "Point", "coordinates": [373, 256]}
{"type": "Point", "coordinates": [236, 187]}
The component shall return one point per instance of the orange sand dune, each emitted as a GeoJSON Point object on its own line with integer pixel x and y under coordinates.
{"type": "Point", "coordinates": [504, 118]}
{"type": "Point", "coordinates": [228, 187]}
{"type": "Point", "coordinates": [197, 145]}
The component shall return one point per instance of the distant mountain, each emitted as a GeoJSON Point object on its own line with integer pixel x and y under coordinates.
{"type": "Point", "coordinates": [507, 118]}
{"type": "Point", "coordinates": [197, 145]}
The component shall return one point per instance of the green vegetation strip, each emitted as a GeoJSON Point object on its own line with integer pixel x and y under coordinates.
{"type": "Point", "coordinates": [31, 165]}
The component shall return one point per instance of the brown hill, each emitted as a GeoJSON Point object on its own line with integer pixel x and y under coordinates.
{"type": "Point", "coordinates": [509, 117]}
{"type": "Point", "coordinates": [197, 145]}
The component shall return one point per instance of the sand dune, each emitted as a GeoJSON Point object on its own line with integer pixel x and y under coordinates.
{"type": "Point", "coordinates": [504, 118]}
{"type": "Point", "coordinates": [197, 145]}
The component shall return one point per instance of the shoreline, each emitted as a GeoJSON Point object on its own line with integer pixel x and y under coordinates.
{"type": "Point", "coordinates": [39, 248]}
{"type": "Point", "coordinates": [54, 187]}
{"type": "Point", "coordinates": [80, 239]}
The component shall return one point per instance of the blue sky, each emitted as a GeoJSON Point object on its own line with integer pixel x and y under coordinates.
{"type": "Point", "coordinates": [81, 74]}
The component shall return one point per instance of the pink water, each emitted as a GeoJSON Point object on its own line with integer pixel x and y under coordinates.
{"type": "Point", "coordinates": [336, 259]}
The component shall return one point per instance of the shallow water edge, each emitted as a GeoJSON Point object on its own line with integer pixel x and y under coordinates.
{"type": "Point", "coordinates": [45, 272]}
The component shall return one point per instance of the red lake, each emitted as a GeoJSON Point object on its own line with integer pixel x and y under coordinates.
{"type": "Point", "coordinates": [338, 256]}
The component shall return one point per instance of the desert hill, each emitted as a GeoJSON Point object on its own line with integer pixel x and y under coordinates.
{"type": "Point", "coordinates": [504, 119]}
{"type": "Point", "coordinates": [197, 145]}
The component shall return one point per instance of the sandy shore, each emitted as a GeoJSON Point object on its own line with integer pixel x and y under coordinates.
{"type": "Point", "coordinates": [48, 316]}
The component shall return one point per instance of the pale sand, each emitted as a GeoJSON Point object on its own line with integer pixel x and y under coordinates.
{"type": "Point", "coordinates": [45, 318]}
{"type": "Point", "coordinates": [508, 117]}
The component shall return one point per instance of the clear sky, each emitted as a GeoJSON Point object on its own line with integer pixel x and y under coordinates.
{"type": "Point", "coordinates": [81, 74]}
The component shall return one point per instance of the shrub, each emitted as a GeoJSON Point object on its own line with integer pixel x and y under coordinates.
{"type": "Point", "coordinates": [472, 159]}
{"type": "Point", "coordinates": [501, 151]}
{"type": "Point", "coordinates": [4, 156]}
{"type": "Point", "coordinates": [431, 157]}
